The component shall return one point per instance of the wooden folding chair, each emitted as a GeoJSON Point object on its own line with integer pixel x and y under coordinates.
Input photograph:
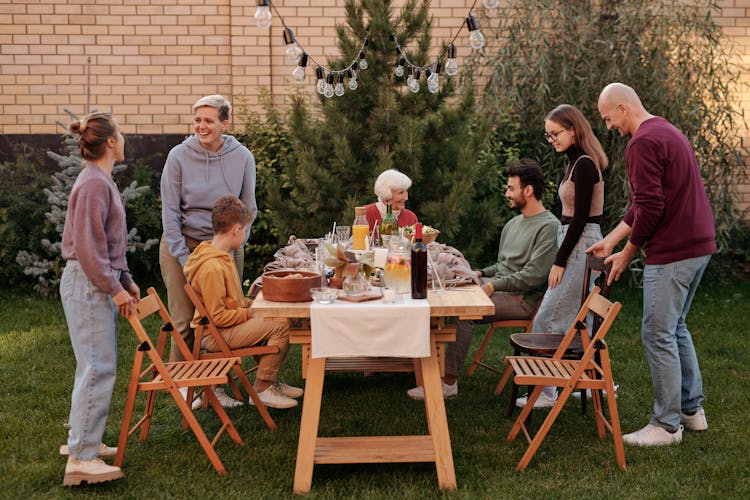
{"type": "Point", "coordinates": [206, 326]}
{"type": "Point", "coordinates": [171, 377]}
{"type": "Point", "coordinates": [526, 324]}
{"type": "Point", "coordinates": [545, 344]}
{"type": "Point", "coordinates": [570, 374]}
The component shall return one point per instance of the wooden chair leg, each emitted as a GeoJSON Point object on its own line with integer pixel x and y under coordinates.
{"type": "Point", "coordinates": [545, 427]}
{"type": "Point", "coordinates": [192, 422]}
{"type": "Point", "coordinates": [480, 352]}
{"type": "Point", "coordinates": [254, 396]}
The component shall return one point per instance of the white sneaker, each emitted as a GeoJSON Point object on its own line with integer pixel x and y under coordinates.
{"type": "Point", "coordinates": [197, 402]}
{"type": "Point", "coordinates": [104, 450]}
{"type": "Point", "coordinates": [289, 390]}
{"type": "Point", "coordinates": [543, 401]}
{"type": "Point", "coordinates": [696, 422]}
{"type": "Point", "coordinates": [225, 400]}
{"type": "Point", "coordinates": [653, 435]}
{"type": "Point", "coordinates": [577, 394]}
{"type": "Point", "coordinates": [274, 398]}
{"type": "Point", "coordinates": [449, 391]}
{"type": "Point", "coordinates": [89, 471]}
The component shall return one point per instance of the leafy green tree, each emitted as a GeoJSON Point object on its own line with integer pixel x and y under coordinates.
{"type": "Point", "coordinates": [542, 53]}
{"type": "Point", "coordinates": [339, 147]}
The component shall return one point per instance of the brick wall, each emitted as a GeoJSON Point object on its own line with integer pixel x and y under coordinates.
{"type": "Point", "coordinates": [151, 59]}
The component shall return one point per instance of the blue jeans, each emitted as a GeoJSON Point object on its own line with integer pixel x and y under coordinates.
{"type": "Point", "coordinates": [668, 290]}
{"type": "Point", "coordinates": [561, 304]}
{"type": "Point", "coordinates": [92, 322]}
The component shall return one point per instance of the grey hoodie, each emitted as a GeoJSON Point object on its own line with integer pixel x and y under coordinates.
{"type": "Point", "coordinates": [191, 182]}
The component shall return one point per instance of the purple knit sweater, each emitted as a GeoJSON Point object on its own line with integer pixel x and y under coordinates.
{"type": "Point", "coordinates": [95, 232]}
{"type": "Point", "coordinates": [669, 215]}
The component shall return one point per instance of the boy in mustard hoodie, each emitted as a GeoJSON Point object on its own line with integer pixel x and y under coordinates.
{"type": "Point", "coordinates": [212, 272]}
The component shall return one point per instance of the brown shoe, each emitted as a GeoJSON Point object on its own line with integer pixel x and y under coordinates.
{"type": "Point", "coordinates": [89, 471]}
{"type": "Point", "coordinates": [104, 450]}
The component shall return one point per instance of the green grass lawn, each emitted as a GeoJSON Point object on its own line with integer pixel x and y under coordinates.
{"type": "Point", "coordinates": [37, 366]}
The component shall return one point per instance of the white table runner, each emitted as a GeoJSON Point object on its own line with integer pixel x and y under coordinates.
{"type": "Point", "coordinates": [348, 329]}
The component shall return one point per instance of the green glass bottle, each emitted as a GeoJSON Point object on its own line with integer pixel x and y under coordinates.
{"type": "Point", "coordinates": [389, 224]}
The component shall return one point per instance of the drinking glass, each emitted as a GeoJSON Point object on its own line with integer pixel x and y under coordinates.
{"type": "Point", "coordinates": [343, 233]}
{"type": "Point", "coordinates": [438, 285]}
{"type": "Point", "coordinates": [397, 273]}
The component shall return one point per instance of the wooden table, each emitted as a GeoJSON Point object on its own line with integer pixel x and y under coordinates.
{"type": "Point", "coordinates": [465, 303]}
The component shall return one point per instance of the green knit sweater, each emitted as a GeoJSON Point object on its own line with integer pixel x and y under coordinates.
{"type": "Point", "coordinates": [527, 250]}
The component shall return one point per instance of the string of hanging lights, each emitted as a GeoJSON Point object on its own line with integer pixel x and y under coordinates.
{"type": "Point", "coordinates": [330, 81]}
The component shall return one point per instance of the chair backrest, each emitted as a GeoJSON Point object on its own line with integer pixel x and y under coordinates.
{"type": "Point", "coordinates": [147, 306]}
{"type": "Point", "coordinates": [603, 309]}
{"type": "Point", "coordinates": [205, 325]}
{"type": "Point", "coordinates": [596, 264]}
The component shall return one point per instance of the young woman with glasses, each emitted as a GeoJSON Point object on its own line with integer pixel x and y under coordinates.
{"type": "Point", "coordinates": [582, 195]}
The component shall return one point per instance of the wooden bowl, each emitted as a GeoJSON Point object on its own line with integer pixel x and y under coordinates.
{"type": "Point", "coordinates": [430, 237]}
{"type": "Point", "coordinates": [278, 288]}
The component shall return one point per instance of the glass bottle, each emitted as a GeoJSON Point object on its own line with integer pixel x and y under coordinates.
{"type": "Point", "coordinates": [418, 265]}
{"type": "Point", "coordinates": [389, 224]}
{"type": "Point", "coordinates": [360, 229]}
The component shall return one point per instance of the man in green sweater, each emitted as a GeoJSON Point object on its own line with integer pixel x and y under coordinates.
{"type": "Point", "coordinates": [516, 283]}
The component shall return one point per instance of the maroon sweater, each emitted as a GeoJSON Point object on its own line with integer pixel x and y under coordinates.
{"type": "Point", "coordinates": [95, 233]}
{"type": "Point", "coordinates": [669, 215]}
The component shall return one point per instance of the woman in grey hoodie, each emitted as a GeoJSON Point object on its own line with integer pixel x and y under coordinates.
{"type": "Point", "coordinates": [206, 166]}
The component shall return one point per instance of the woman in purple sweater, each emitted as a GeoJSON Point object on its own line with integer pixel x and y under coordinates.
{"type": "Point", "coordinates": [95, 286]}
{"type": "Point", "coordinates": [582, 195]}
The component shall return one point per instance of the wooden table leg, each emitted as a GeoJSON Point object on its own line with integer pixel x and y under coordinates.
{"type": "Point", "coordinates": [308, 429]}
{"type": "Point", "coordinates": [438, 422]}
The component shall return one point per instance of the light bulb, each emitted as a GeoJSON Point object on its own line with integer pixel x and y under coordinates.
{"type": "Point", "coordinates": [328, 89]}
{"type": "Point", "coordinates": [293, 52]}
{"type": "Point", "coordinates": [476, 40]}
{"type": "Point", "coordinates": [414, 84]}
{"type": "Point", "coordinates": [400, 67]}
{"type": "Point", "coordinates": [490, 4]}
{"type": "Point", "coordinates": [409, 79]}
{"type": "Point", "coordinates": [433, 82]}
{"type": "Point", "coordinates": [352, 75]}
{"type": "Point", "coordinates": [451, 66]}
{"type": "Point", "coordinates": [298, 75]}
{"type": "Point", "coordinates": [263, 15]}
{"type": "Point", "coordinates": [339, 89]}
{"type": "Point", "coordinates": [362, 61]}
{"type": "Point", "coordinates": [321, 85]}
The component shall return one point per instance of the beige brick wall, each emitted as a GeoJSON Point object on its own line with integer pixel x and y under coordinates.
{"type": "Point", "coordinates": [151, 59]}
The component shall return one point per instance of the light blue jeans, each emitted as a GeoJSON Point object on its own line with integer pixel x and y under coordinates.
{"type": "Point", "coordinates": [92, 322]}
{"type": "Point", "coordinates": [561, 304]}
{"type": "Point", "coordinates": [668, 290]}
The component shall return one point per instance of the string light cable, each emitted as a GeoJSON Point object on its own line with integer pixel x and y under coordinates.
{"type": "Point", "coordinates": [330, 81]}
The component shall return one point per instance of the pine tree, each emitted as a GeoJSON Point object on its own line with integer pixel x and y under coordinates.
{"type": "Point", "coordinates": [341, 146]}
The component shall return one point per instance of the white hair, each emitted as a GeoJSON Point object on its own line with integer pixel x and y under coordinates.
{"type": "Point", "coordinates": [215, 101]}
{"type": "Point", "coordinates": [388, 180]}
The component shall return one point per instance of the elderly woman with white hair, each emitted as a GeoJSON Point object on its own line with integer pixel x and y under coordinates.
{"type": "Point", "coordinates": [206, 166]}
{"type": "Point", "coordinates": [391, 187]}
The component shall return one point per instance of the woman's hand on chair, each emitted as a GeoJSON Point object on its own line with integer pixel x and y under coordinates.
{"type": "Point", "coordinates": [125, 303]}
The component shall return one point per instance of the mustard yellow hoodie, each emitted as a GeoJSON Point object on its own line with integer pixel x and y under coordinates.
{"type": "Point", "coordinates": [213, 274]}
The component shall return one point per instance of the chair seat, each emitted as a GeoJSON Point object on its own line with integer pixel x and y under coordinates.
{"type": "Point", "coordinates": [191, 373]}
{"type": "Point", "coordinates": [535, 371]}
{"type": "Point", "coordinates": [544, 344]}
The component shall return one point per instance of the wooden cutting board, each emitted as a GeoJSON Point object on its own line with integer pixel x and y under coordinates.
{"type": "Point", "coordinates": [360, 298]}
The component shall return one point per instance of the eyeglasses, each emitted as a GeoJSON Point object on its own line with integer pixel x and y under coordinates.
{"type": "Point", "coordinates": [552, 136]}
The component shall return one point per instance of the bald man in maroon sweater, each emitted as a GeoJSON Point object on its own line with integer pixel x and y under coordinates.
{"type": "Point", "coordinates": [670, 219]}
